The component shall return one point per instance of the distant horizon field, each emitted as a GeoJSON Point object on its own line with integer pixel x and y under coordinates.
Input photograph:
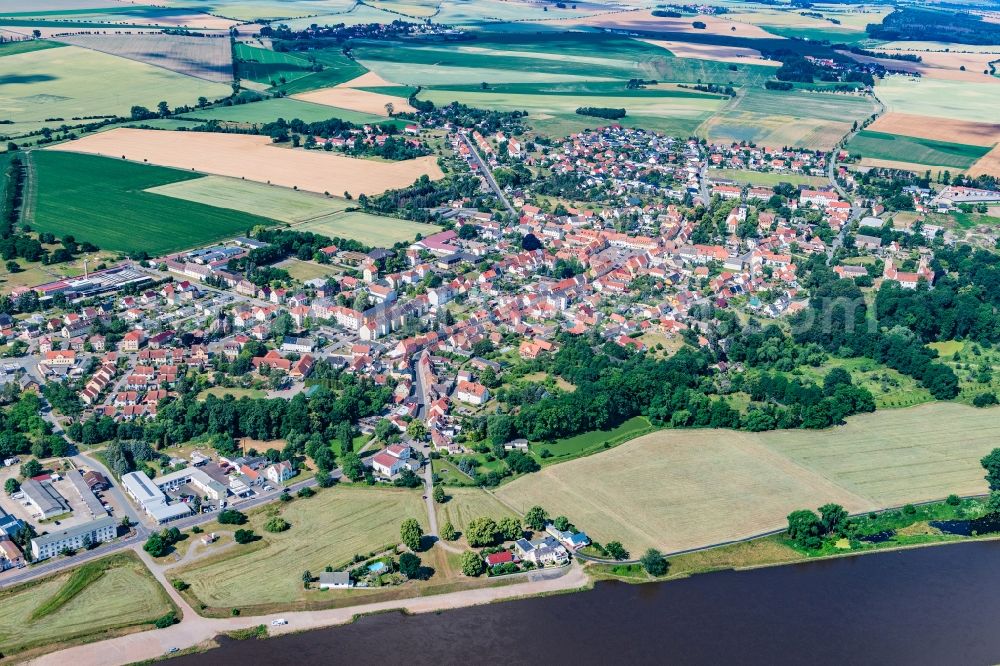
{"type": "Point", "coordinates": [679, 489]}
{"type": "Point", "coordinates": [103, 201]}
{"type": "Point", "coordinates": [958, 100]}
{"type": "Point", "coordinates": [71, 81]}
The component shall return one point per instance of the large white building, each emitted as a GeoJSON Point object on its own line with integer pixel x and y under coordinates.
{"type": "Point", "coordinates": [77, 537]}
{"type": "Point", "coordinates": [151, 499]}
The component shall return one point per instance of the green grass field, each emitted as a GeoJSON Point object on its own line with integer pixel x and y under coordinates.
{"type": "Point", "coordinates": [328, 529]}
{"type": "Point", "coordinates": [304, 271]}
{"type": "Point", "coordinates": [267, 66]}
{"type": "Point", "coordinates": [369, 229]}
{"type": "Point", "coordinates": [794, 118]}
{"type": "Point", "coordinates": [124, 595]}
{"type": "Point", "coordinates": [72, 82]}
{"type": "Point", "coordinates": [678, 489]}
{"type": "Point", "coordinates": [14, 48]}
{"type": "Point", "coordinates": [883, 146]}
{"type": "Point", "coordinates": [675, 115]}
{"type": "Point", "coordinates": [960, 100]}
{"type": "Point", "coordinates": [278, 203]}
{"type": "Point", "coordinates": [766, 179]}
{"type": "Point", "coordinates": [102, 200]}
{"type": "Point", "coordinates": [972, 360]}
{"type": "Point", "coordinates": [284, 107]}
{"type": "Point", "coordinates": [465, 504]}
{"type": "Point", "coordinates": [301, 71]}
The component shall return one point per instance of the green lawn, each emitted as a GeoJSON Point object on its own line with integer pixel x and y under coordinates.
{"type": "Point", "coordinates": [766, 179]}
{"type": "Point", "coordinates": [101, 200]}
{"type": "Point", "coordinates": [883, 146]}
{"type": "Point", "coordinates": [591, 442]}
{"type": "Point", "coordinates": [326, 530]}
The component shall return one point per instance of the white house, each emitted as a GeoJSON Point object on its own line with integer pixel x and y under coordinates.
{"type": "Point", "coordinates": [473, 393]}
{"type": "Point", "coordinates": [280, 472]}
{"type": "Point", "coordinates": [391, 460]}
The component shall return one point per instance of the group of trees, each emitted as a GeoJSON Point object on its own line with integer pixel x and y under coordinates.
{"type": "Point", "coordinates": [807, 530]}
{"type": "Point", "coordinates": [838, 321]}
{"type": "Point", "coordinates": [23, 430]}
{"type": "Point", "coordinates": [601, 112]}
{"type": "Point", "coordinates": [159, 543]}
{"type": "Point", "coordinates": [411, 202]}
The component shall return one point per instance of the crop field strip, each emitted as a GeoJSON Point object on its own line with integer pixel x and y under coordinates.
{"type": "Point", "coordinates": [951, 100]}
{"type": "Point", "coordinates": [684, 489]}
{"type": "Point", "coordinates": [880, 145]}
{"type": "Point", "coordinates": [269, 67]}
{"type": "Point", "coordinates": [256, 158]}
{"type": "Point", "coordinates": [103, 201]}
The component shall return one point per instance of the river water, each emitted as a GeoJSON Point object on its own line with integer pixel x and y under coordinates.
{"type": "Point", "coordinates": [936, 605]}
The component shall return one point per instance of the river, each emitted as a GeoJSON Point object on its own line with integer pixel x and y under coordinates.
{"type": "Point", "coordinates": [936, 605]}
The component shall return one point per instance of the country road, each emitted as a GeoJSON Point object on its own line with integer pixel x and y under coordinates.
{"type": "Point", "coordinates": [484, 170]}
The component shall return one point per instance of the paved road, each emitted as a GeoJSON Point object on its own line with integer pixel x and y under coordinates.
{"type": "Point", "coordinates": [485, 172]}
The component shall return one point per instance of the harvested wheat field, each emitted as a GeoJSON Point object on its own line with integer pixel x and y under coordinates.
{"type": "Point", "coordinates": [255, 158]}
{"type": "Point", "coordinates": [940, 65]}
{"type": "Point", "coordinates": [713, 52]}
{"type": "Point", "coordinates": [348, 96]}
{"type": "Point", "coordinates": [939, 129]}
{"type": "Point", "coordinates": [643, 19]}
{"type": "Point", "coordinates": [684, 489]}
{"type": "Point", "coordinates": [916, 167]}
{"type": "Point", "coordinates": [988, 164]}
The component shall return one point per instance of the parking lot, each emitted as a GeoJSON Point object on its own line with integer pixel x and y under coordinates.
{"type": "Point", "coordinates": [19, 507]}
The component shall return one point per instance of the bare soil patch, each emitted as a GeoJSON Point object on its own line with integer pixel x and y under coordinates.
{"type": "Point", "coordinates": [355, 100]}
{"type": "Point", "coordinates": [713, 52]}
{"type": "Point", "coordinates": [939, 129]}
{"type": "Point", "coordinates": [256, 158]}
{"type": "Point", "coordinates": [987, 164]}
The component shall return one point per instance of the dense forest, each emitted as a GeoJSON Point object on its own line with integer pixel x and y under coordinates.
{"type": "Point", "coordinates": [932, 25]}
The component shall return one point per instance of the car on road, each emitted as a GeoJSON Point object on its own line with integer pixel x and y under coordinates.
{"type": "Point", "coordinates": [172, 650]}
{"type": "Point", "coordinates": [279, 622]}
